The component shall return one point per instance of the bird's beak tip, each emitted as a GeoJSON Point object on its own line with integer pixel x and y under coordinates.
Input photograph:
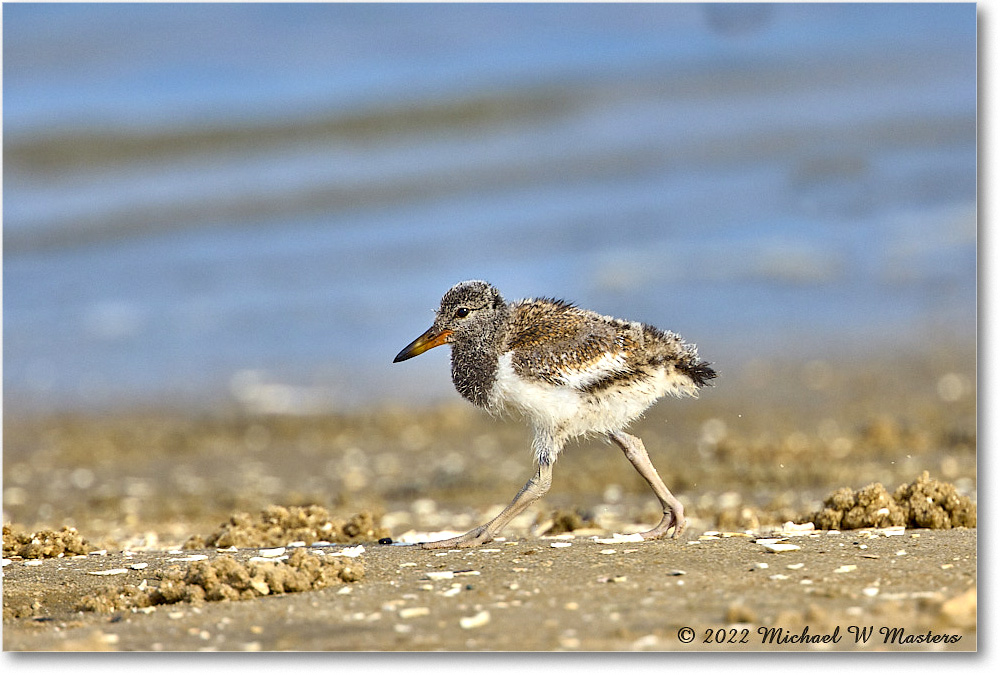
{"type": "Point", "coordinates": [428, 340]}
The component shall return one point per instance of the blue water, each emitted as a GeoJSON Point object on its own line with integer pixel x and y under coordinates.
{"type": "Point", "coordinates": [263, 203]}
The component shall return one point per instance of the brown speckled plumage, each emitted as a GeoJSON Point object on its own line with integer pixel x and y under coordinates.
{"type": "Point", "coordinates": [552, 337]}
{"type": "Point", "coordinates": [570, 371]}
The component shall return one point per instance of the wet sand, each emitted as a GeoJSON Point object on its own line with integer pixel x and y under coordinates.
{"type": "Point", "coordinates": [764, 449]}
{"type": "Point", "coordinates": [528, 595]}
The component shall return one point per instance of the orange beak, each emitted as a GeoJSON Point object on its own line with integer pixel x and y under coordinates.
{"type": "Point", "coordinates": [428, 340]}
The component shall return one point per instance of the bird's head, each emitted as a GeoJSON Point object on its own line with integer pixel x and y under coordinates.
{"type": "Point", "coordinates": [470, 312]}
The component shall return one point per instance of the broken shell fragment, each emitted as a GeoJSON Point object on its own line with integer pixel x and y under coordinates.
{"type": "Point", "coordinates": [778, 546]}
{"type": "Point", "coordinates": [475, 621]}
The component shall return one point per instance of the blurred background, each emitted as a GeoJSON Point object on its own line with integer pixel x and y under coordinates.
{"type": "Point", "coordinates": [259, 205]}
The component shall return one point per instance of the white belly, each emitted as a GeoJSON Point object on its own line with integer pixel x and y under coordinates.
{"type": "Point", "coordinates": [561, 412]}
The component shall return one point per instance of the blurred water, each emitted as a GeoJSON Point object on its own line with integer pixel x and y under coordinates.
{"type": "Point", "coordinates": [265, 202]}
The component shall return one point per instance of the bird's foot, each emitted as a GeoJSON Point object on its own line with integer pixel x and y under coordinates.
{"type": "Point", "coordinates": [674, 519]}
{"type": "Point", "coordinates": [472, 538]}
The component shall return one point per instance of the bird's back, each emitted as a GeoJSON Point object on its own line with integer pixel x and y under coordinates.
{"type": "Point", "coordinates": [558, 343]}
{"type": "Point", "coordinates": [574, 371]}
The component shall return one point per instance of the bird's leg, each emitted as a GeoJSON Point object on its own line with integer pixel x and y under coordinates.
{"type": "Point", "coordinates": [673, 511]}
{"type": "Point", "coordinates": [529, 494]}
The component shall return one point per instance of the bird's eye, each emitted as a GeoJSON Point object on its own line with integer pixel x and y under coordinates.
{"type": "Point", "coordinates": [462, 312]}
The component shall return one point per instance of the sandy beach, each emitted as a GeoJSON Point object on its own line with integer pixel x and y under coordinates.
{"type": "Point", "coordinates": [163, 500]}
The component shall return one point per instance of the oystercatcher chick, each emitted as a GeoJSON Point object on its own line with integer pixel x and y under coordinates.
{"type": "Point", "coordinates": [570, 372]}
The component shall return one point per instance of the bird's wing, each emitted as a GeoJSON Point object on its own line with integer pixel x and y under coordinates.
{"type": "Point", "coordinates": [565, 346]}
